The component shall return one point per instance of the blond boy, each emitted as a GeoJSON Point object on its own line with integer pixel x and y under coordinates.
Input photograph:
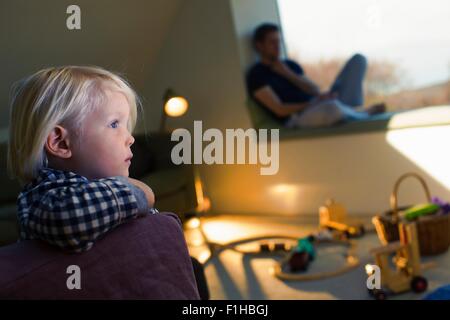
{"type": "Point", "coordinates": [70, 139]}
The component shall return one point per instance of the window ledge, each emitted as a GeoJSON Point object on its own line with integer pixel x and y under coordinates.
{"type": "Point", "coordinates": [423, 117]}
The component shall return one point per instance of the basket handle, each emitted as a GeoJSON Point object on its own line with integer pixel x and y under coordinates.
{"type": "Point", "coordinates": [394, 194]}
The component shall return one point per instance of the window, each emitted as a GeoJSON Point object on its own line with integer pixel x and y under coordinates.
{"type": "Point", "coordinates": [407, 44]}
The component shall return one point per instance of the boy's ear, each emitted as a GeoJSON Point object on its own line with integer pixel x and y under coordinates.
{"type": "Point", "coordinates": [58, 144]}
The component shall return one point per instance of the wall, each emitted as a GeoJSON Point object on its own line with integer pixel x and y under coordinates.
{"type": "Point", "coordinates": [246, 16]}
{"type": "Point", "coordinates": [118, 35]}
{"type": "Point", "coordinates": [358, 170]}
{"type": "Point", "coordinates": [199, 60]}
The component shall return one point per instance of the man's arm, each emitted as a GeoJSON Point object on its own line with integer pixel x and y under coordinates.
{"type": "Point", "coordinates": [270, 100]}
{"type": "Point", "coordinates": [74, 216]}
{"type": "Point", "coordinates": [300, 81]}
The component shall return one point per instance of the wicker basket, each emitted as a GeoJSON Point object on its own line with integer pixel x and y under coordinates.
{"type": "Point", "coordinates": [433, 231]}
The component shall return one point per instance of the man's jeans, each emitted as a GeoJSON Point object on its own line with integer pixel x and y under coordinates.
{"type": "Point", "coordinates": [349, 87]}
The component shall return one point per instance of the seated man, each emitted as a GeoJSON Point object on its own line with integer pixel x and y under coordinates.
{"type": "Point", "coordinates": [282, 88]}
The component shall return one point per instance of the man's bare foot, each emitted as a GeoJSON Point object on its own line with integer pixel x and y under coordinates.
{"type": "Point", "coordinates": [376, 108]}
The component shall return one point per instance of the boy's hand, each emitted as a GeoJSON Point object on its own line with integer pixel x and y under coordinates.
{"type": "Point", "coordinates": [147, 190]}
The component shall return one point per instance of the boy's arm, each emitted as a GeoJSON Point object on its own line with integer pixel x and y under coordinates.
{"type": "Point", "coordinates": [74, 216]}
{"type": "Point", "coordinates": [141, 186]}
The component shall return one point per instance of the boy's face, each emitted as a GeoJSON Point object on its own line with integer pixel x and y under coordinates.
{"type": "Point", "coordinates": [104, 149]}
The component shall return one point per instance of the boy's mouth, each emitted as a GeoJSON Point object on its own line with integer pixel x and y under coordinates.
{"type": "Point", "coordinates": [129, 159]}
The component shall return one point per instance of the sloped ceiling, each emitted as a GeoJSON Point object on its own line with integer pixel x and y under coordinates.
{"type": "Point", "coordinates": [123, 36]}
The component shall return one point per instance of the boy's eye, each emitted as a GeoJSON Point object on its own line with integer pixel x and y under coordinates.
{"type": "Point", "coordinates": [114, 124]}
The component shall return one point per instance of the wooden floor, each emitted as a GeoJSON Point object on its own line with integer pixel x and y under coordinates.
{"type": "Point", "coordinates": [234, 275]}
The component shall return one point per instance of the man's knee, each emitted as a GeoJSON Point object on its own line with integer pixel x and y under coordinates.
{"type": "Point", "coordinates": [359, 60]}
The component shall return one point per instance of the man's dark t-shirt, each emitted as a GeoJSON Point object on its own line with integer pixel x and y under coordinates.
{"type": "Point", "coordinates": [261, 75]}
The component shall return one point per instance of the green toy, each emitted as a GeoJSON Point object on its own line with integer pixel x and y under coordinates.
{"type": "Point", "coordinates": [302, 254]}
{"type": "Point", "coordinates": [305, 245]}
{"type": "Point", "coordinates": [420, 210]}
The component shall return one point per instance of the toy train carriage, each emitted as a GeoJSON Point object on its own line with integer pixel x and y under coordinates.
{"type": "Point", "coordinates": [333, 216]}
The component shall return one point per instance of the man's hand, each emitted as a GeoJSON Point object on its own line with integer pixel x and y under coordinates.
{"type": "Point", "coordinates": [327, 96]}
{"type": "Point", "coordinates": [300, 81]}
{"type": "Point", "coordinates": [282, 69]}
{"type": "Point", "coordinates": [147, 190]}
{"type": "Point", "coordinates": [268, 98]}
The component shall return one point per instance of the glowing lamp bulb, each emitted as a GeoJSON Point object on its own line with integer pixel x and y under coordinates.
{"type": "Point", "coordinates": [176, 106]}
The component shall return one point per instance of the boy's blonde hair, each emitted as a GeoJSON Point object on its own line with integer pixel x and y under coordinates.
{"type": "Point", "coordinates": [56, 96]}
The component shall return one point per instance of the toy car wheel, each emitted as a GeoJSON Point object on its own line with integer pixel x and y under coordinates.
{"type": "Point", "coordinates": [379, 294]}
{"type": "Point", "coordinates": [299, 261]}
{"type": "Point", "coordinates": [419, 284]}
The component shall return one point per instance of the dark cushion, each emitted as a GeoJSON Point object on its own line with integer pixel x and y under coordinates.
{"type": "Point", "coordinates": [9, 188]}
{"type": "Point", "coordinates": [9, 227]}
{"type": "Point", "coordinates": [151, 153]}
{"type": "Point", "coordinates": [146, 258]}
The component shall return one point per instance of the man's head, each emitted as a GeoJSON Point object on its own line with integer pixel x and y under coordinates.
{"type": "Point", "coordinates": [266, 40]}
{"type": "Point", "coordinates": [72, 118]}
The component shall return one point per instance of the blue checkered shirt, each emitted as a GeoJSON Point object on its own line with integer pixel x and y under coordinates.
{"type": "Point", "coordinates": [68, 210]}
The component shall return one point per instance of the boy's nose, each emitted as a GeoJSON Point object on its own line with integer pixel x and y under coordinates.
{"type": "Point", "coordinates": [130, 140]}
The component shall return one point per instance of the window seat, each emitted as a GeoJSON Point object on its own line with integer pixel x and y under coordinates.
{"type": "Point", "coordinates": [423, 117]}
